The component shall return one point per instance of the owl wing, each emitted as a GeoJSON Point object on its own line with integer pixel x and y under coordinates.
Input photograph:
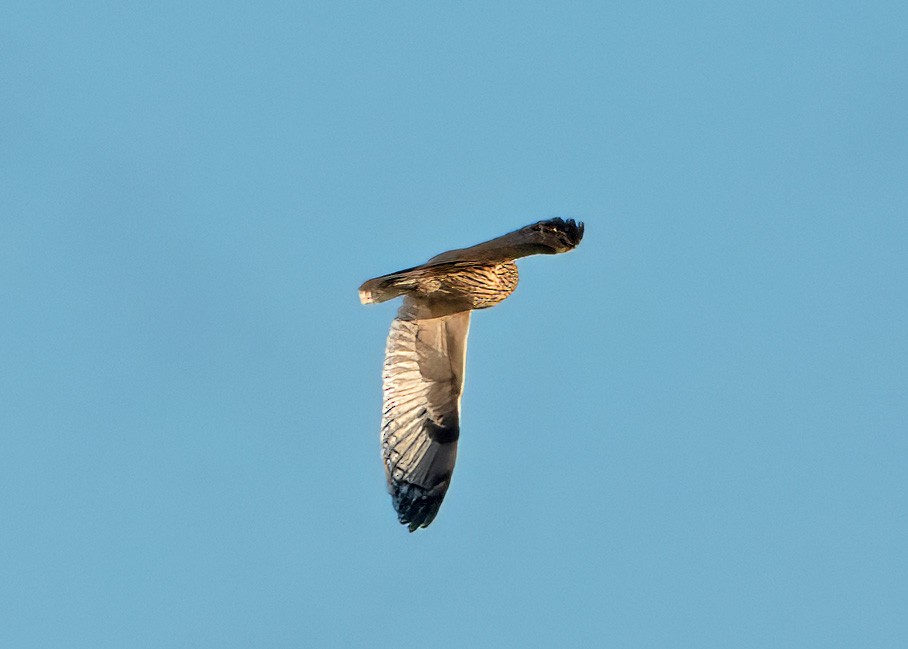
{"type": "Point", "coordinates": [422, 383]}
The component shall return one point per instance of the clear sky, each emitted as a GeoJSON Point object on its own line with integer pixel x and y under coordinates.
{"type": "Point", "coordinates": [692, 431]}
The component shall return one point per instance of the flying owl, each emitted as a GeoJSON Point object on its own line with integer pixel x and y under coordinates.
{"type": "Point", "coordinates": [426, 349]}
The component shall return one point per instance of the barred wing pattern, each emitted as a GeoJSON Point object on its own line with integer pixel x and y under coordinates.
{"type": "Point", "coordinates": [422, 382]}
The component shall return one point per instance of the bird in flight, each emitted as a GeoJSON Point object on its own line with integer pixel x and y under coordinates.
{"type": "Point", "coordinates": [423, 371]}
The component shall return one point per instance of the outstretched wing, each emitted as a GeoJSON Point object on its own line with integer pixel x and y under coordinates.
{"type": "Point", "coordinates": [422, 382]}
{"type": "Point", "coordinates": [548, 237]}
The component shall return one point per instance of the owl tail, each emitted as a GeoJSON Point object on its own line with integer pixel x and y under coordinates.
{"type": "Point", "coordinates": [386, 287]}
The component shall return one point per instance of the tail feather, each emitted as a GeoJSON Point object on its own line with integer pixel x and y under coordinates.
{"type": "Point", "coordinates": [384, 288]}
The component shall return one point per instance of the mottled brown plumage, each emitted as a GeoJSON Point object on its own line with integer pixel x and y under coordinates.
{"type": "Point", "coordinates": [424, 358]}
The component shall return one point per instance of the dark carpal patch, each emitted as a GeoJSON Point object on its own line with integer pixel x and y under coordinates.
{"type": "Point", "coordinates": [440, 433]}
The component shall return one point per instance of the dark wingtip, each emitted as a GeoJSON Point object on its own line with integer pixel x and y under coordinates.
{"type": "Point", "coordinates": [416, 506]}
{"type": "Point", "coordinates": [572, 229]}
{"type": "Point", "coordinates": [562, 234]}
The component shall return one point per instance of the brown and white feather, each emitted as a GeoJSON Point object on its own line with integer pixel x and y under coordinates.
{"type": "Point", "coordinates": [422, 383]}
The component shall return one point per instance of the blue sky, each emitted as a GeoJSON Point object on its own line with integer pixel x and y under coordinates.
{"type": "Point", "coordinates": [690, 432]}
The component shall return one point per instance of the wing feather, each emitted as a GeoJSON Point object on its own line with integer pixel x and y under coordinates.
{"type": "Point", "coordinates": [422, 383]}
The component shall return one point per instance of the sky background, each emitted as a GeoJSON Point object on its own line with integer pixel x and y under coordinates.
{"type": "Point", "coordinates": [690, 432]}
